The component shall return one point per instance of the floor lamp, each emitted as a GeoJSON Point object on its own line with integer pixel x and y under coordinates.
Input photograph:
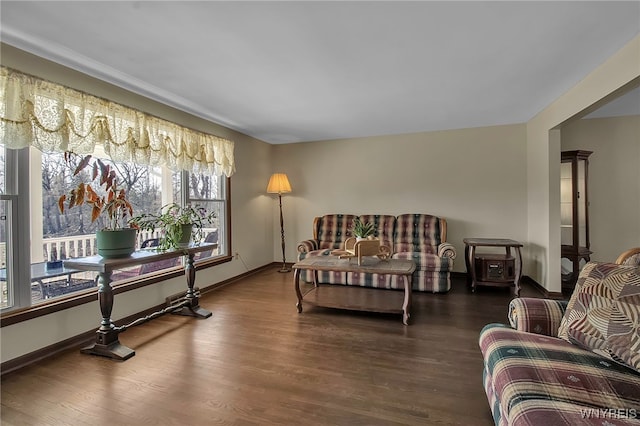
{"type": "Point", "coordinates": [279, 184]}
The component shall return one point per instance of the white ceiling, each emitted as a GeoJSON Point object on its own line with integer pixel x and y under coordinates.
{"type": "Point", "coordinates": [302, 71]}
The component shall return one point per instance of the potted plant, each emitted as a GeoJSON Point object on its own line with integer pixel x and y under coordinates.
{"type": "Point", "coordinates": [104, 196]}
{"type": "Point", "coordinates": [362, 230]}
{"type": "Point", "coordinates": [177, 223]}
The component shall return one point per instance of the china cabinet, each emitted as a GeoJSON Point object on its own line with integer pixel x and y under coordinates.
{"type": "Point", "coordinates": [574, 215]}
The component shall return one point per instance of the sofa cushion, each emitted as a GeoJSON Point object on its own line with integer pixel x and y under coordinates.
{"type": "Point", "coordinates": [333, 230]}
{"type": "Point", "coordinates": [531, 373]}
{"type": "Point", "coordinates": [384, 226]}
{"type": "Point", "coordinates": [417, 232]}
{"type": "Point", "coordinates": [623, 338]}
{"type": "Point", "coordinates": [600, 314]}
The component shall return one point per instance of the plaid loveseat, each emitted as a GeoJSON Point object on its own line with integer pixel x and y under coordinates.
{"type": "Point", "coordinates": [418, 237]}
{"type": "Point", "coordinates": [544, 370]}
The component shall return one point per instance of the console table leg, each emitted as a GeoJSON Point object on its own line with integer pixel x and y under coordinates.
{"type": "Point", "coordinates": [107, 343]}
{"type": "Point", "coordinates": [193, 308]}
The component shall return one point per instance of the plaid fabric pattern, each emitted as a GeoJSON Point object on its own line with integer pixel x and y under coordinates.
{"type": "Point", "coordinates": [494, 404]}
{"type": "Point", "coordinates": [307, 246]}
{"type": "Point", "coordinates": [434, 282]}
{"type": "Point", "coordinates": [417, 232]}
{"type": "Point", "coordinates": [541, 380]}
{"type": "Point", "coordinates": [431, 281]}
{"type": "Point", "coordinates": [447, 250]}
{"type": "Point", "coordinates": [410, 236]}
{"type": "Point", "coordinates": [326, 277]}
{"type": "Point", "coordinates": [384, 226]}
{"type": "Point", "coordinates": [374, 280]}
{"type": "Point", "coordinates": [540, 316]}
{"type": "Point", "coordinates": [426, 260]}
{"type": "Point", "coordinates": [333, 229]}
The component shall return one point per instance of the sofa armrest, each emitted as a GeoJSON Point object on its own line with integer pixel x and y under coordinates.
{"type": "Point", "coordinates": [307, 245]}
{"type": "Point", "coordinates": [540, 316]}
{"type": "Point", "coordinates": [447, 250]}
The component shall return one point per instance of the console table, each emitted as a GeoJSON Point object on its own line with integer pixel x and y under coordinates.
{"type": "Point", "coordinates": [107, 343]}
{"type": "Point", "coordinates": [502, 270]}
{"type": "Point", "coordinates": [353, 296]}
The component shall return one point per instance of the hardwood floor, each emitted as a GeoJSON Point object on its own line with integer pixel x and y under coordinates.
{"type": "Point", "coordinates": [258, 362]}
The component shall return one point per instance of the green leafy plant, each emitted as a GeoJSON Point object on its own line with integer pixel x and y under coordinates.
{"type": "Point", "coordinates": [101, 193]}
{"type": "Point", "coordinates": [362, 230]}
{"type": "Point", "coordinates": [170, 221]}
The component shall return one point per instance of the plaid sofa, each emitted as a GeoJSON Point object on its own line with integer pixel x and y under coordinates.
{"type": "Point", "coordinates": [533, 377]}
{"type": "Point", "coordinates": [418, 237]}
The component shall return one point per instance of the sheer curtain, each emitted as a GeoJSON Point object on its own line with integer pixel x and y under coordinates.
{"type": "Point", "coordinates": [52, 117]}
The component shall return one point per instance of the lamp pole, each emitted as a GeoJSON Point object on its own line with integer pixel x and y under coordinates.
{"type": "Point", "coordinates": [279, 184]}
{"type": "Point", "coordinates": [284, 263]}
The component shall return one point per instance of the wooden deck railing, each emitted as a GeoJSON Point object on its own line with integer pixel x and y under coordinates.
{"type": "Point", "coordinates": [60, 248]}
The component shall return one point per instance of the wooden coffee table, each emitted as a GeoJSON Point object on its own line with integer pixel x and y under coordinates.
{"type": "Point", "coordinates": [356, 297]}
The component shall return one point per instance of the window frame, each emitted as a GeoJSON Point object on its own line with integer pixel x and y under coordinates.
{"type": "Point", "coordinates": [18, 252]}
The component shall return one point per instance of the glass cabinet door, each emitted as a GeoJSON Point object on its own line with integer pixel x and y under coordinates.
{"type": "Point", "coordinates": [566, 205]}
{"type": "Point", "coordinates": [574, 215]}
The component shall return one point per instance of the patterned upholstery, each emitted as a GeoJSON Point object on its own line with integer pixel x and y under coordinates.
{"type": "Point", "coordinates": [540, 316]}
{"type": "Point", "coordinates": [623, 340]}
{"type": "Point", "coordinates": [417, 233]}
{"type": "Point", "coordinates": [589, 375]}
{"type": "Point", "coordinates": [418, 237]}
{"type": "Point", "coordinates": [384, 226]}
{"type": "Point", "coordinates": [333, 229]}
{"type": "Point", "coordinates": [532, 379]}
{"type": "Point", "coordinates": [603, 314]}
{"type": "Point", "coordinates": [629, 257]}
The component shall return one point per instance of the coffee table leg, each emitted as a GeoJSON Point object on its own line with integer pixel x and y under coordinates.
{"type": "Point", "coordinates": [406, 306]}
{"type": "Point", "coordinates": [296, 281]}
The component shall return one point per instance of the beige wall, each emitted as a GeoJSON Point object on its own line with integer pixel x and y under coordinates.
{"type": "Point", "coordinates": [614, 181]}
{"type": "Point", "coordinates": [475, 178]}
{"type": "Point", "coordinates": [488, 182]}
{"type": "Point", "coordinates": [251, 215]}
{"type": "Point", "coordinates": [619, 72]}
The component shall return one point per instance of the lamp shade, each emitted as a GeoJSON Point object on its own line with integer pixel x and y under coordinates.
{"type": "Point", "coordinates": [278, 184]}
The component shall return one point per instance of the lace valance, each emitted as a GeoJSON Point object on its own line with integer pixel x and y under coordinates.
{"type": "Point", "coordinates": [51, 117]}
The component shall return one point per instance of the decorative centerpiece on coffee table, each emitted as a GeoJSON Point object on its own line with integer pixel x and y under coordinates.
{"type": "Point", "coordinates": [363, 244]}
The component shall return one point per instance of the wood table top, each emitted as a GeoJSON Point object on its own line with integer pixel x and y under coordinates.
{"type": "Point", "coordinates": [100, 264]}
{"type": "Point", "coordinates": [371, 265]}
{"type": "Point", "coordinates": [492, 242]}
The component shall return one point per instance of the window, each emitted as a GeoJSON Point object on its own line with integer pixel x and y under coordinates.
{"type": "Point", "coordinates": [39, 118]}
{"type": "Point", "coordinates": [56, 236]}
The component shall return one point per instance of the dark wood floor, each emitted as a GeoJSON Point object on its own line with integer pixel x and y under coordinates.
{"type": "Point", "coordinates": [258, 362]}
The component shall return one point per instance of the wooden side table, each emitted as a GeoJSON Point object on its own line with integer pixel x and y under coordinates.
{"type": "Point", "coordinates": [498, 270]}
